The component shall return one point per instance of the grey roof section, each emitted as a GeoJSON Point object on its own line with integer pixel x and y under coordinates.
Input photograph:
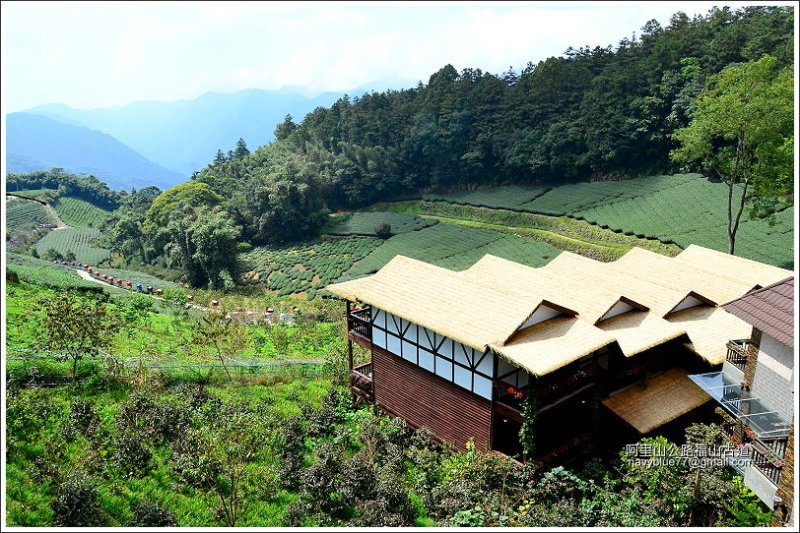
{"type": "Point", "coordinates": [770, 309]}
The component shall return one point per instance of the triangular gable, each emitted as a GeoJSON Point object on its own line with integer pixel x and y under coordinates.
{"type": "Point", "coordinates": [621, 306]}
{"type": "Point", "coordinates": [692, 299]}
{"type": "Point", "coordinates": [541, 313]}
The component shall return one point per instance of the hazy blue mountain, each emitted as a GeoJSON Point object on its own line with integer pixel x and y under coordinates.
{"type": "Point", "coordinates": [36, 142]}
{"type": "Point", "coordinates": [184, 135]}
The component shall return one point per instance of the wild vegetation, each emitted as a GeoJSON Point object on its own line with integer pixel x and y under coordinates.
{"type": "Point", "coordinates": [601, 114]}
{"type": "Point", "coordinates": [156, 444]}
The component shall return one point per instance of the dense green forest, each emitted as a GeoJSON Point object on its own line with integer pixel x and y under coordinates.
{"type": "Point", "coordinates": [601, 113]}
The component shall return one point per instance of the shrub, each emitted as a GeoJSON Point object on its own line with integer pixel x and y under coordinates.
{"type": "Point", "coordinates": [291, 451]}
{"type": "Point", "coordinates": [83, 419]}
{"type": "Point", "coordinates": [383, 231]}
{"type": "Point", "coordinates": [131, 457]}
{"type": "Point", "coordinates": [145, 418]}
{"type": "Point", "coordinates": [322, 421]}
{"type": "Point", "coordinates": [77, 503]}
{"type": "Point", "coordinates": [148, 513]}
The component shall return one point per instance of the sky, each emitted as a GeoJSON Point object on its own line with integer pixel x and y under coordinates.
{"type": "Point", "coordinates": [91, 55]}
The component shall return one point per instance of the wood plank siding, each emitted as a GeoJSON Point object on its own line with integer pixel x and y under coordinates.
{"type": "Point", "coordinates": [426, 400]}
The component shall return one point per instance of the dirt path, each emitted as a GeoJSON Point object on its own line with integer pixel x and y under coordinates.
{"type": "Point", "coordinates": [59, 223]}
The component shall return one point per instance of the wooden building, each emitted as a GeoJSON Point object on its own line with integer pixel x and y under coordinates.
{"type": "Point", "coordinates": [457, 352]}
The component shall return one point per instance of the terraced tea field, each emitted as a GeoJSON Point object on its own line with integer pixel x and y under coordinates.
{"type": "Point", "coordinates": [683, 209]}
{"type": "Point", "coordinates": [509, 197]}
{"type": "Point", "coordinates": [78, 240]}
{"type": "Point", "coordinates": [365, 223]}
{"type": "Point", "coordinates": [25, 213]}
{"type": "Point", "coordinates": [304, 268]}
{"type": "Point", "coordinates": [80, 213]}
{"type": "Point", "coordinates": [454, 247]}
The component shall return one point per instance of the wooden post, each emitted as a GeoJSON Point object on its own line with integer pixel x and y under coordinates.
{"type": "Point", "coordinates": [349, 341]}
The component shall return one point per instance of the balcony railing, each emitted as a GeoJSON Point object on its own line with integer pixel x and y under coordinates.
{"type": "Point", "coordinates": [765, 460]}
{"type": "Point", "coordinates": [361, 382]}
{"type": "Point", "coordinates": [358, 322]}
{"type": "Point", "coordinates": [738, 351]}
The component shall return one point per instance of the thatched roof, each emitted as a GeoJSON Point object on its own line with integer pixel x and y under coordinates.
{"type": "Point", "coordinates": [658, 298]}
{"type": "Point", "coordinates": [729, 266]}
{"type": "Point", "coordinates": [549, 345]}
{"type": "Point", "coordinates": [665, 398]}
{"type": "Point", "coordinates": [709, 329]}
{"type": "Point", "coordinates": [433, 297]}
{"type": "Point", "coordinates": [515, 278]}
{"type": "Point", "coordinates": [485, 305]}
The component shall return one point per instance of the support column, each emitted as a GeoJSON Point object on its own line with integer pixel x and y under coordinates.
{"type": "Point", "coordinates": [752, 359]}
{"type": "Point", "coordinates": [783, 509]}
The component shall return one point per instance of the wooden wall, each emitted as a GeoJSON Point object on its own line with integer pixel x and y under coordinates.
{"type": "Point", "coordinates": [426, 400]}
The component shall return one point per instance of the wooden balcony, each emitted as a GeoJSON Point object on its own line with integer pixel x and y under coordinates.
{"type": "Point", "coordinates": [361, 383]}
{"type": "Point", "coordinates": [738, 351]}
{"type": "Point", "coordinates": [359, 327]}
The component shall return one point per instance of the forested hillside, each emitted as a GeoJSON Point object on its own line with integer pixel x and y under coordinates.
{"type": "Point", "coordinates": [588, 114]}
{"type": "Point", "coordinates": [601, 113]}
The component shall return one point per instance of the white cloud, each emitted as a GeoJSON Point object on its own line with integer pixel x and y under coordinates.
{"type": "Point", "coordinates": [109, 54]}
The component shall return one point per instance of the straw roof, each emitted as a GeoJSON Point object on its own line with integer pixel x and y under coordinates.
{"type": "Point", "coordinates": [659, 299]}
{"type": "Point", "coordinates": [515, 278]}
{"type": "Point", "coordinates": [709, 330]}
{"type": "Point", "coordinates": [665, 398]}
{"type": "Point", "coordinates": [549, 345]}
{"type": "Point", "coordinates": [638, 332]}
{"type": "Point", "coordinates": [423, 294]}
{"type": "Point", "coordinates": [682, 276]}
{"type": "Point", "coordinates": [730, 266]}
{"type": "Point", "coordinates": [485, 305]}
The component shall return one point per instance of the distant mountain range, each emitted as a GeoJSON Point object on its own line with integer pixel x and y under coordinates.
{"type": "Point", "coordinates": [37, 142]}
{"type": "Point", "coordinates": [184, 136]}
{"type": "Point", "coordinates": [154, 143]}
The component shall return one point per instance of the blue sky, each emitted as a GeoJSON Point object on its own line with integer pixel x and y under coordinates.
{"type": "Point", "coordinates": [92, 55]}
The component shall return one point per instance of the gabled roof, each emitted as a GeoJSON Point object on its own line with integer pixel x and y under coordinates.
{"type": "Point", "coordinates": [549, 345]}
{"type": "Point", "coordinates": [486, 305]}
{"type": "Point", "coordinates": [770, 309]}
{"type": "Point", "coordinates": [515, 278]}
{"type": "Point", "coordinates": [709, 329]}
{"type": "Point", "coordinates": [434, 297]}
{"type": "Point", "coordinates": [658, 298]}
{"type": "Point", "coordinates": [729, 266]}
{"type": "Point", "coordinates": [681, 276]}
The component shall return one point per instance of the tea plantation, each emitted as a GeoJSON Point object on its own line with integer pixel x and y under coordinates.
{"type": "Point", "coordinates": [80, 213]}
{"type": "Point", "coordinates": [684, 209]}
{"type": "Point", "coordinates": [79, 241]}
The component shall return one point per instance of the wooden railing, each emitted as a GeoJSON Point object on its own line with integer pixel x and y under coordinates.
{"type": "Point", "coordinates": [361, 382]}
{"type": "Point", "coordinates": [738, 352]}
{"type": "Point", "coordinates": [359, 323]}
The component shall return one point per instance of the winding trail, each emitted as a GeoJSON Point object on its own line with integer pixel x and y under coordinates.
{"type": "Point", "coordinates": [59, 224]}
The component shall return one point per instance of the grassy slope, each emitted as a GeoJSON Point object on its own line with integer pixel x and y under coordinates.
{"type": "Point", "coordinates": [454, 247]}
